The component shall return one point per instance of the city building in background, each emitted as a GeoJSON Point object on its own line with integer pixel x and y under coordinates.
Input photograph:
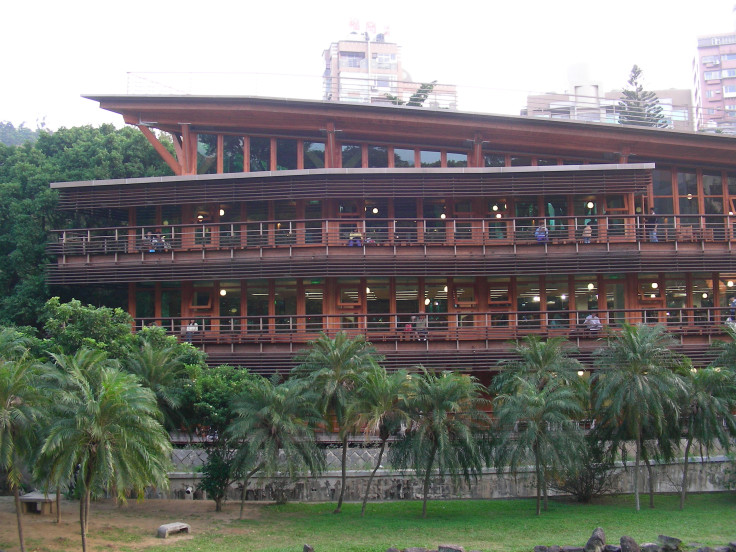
{"type": "Point", "coordinates": [441, 236]}
{"type": "Point", "coordinates": [587, 103]}
{"type": "Point", "coordinates": [365, 67]}
{"type": "Point", "coordinates": [714, 70]}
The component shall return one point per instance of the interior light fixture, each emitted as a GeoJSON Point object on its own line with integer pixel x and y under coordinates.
{"type": "Point", "coordinates": [729, 283]}
{"type": "Point", "coordinates": [222, 212]}
{"type": "Point", "coordinates": [367, 290]}
{"type": "Point", "coordinates": [498, 215]}
{"type": "Point", "coordinates": [580, 373]}
{"type": "Point", "coordinates": [689, 196]}
{"type": "Point", "coordinates": [705, 295]}
{"type": "Point", "coordinates": [590, 205]}
{"type": "Point", "coordinates": [591, 286]}
{"type": "Point", "coordinates": [443, 216]}
{"type": "Point", "coordinates": [223, 292]}
{"type": "Point", "coordinates": [655, 285]}
{"type": "Point", "coordinates": [495, 207]}
{"type": "Point", "coordinates": [653, 296]}
{"type": "Point", "coordinates": [375, 210]}
{"type": "Point", "coordinates": [426, 301]}
{"type": "Point", "coordinates": [536, 299]}
{"type": "Point", "coordinates": [444, 289]}
{"type": "Point", "coordinates": [563, 296]}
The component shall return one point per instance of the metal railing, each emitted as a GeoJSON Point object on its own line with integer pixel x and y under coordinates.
{"type": "Point", "coordinates": [366, 233]}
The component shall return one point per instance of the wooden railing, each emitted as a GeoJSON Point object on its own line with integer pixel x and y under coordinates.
{"type": "Point", "coordinates": [367, 233]}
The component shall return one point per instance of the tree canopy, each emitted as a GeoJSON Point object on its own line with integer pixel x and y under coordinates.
{"type": "Point", "coordinates": [638, 106]}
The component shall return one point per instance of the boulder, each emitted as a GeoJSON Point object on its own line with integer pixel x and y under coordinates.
{"type": "Point", "coordinates": [732, 546]}
{"type": "Point", "coordinates": [415, 549]}
{"type": "Point", "coordinates": [450, 548]}
{"type": "Point", "coordinates": [650, 547]}
{"type": "Point", "coordinates": [573, 549]}
{"type": "Point", "coordinates": [705, 549]}
{"type": "Point", "coordinates": [670, 544]}
{"type": "Point", "coordinates": [629, 545]}
{"type": "Point", "coordinates": [612, 548]}
{"type": "Point", "coordinates": [307, 548]}
{"type": "Point", "coordinates": [597, 541]}
{"type": "Point", "coordinates": [722, 549]}
{"type": "Point", "coordinates": [392, 549]}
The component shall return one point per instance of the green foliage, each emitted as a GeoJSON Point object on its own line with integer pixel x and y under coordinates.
{"type": "Point", "coordinates": [11, 136]}
{"type": "Point", "coordinates": [71, 326]}
{"type": "Point", "coordinates": [28, 205]}
{"type": "Point", "coordinates": [638, 106]}
{"type": "Point", "coordinates": [446, 416]}
{"type": "Point", "coordinates": [217, 474]}
{"type": "Point", "coordinates": [418, 98]}
{"type": "Point", "coordinates": [590, 472]}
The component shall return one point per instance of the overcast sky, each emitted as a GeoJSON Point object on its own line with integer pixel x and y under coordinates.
{"type": "Point", "coordinates": [496, 52]}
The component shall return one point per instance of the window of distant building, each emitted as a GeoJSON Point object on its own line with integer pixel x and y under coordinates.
{"type": "Point", "coordinates": [712, 93]}
{"type": "Point", "coordinates": [709, 59]}
{"type": "Point", "coordinates": [727, 73]}
{"type": "Point", "coordinates": [352, 59]}
{"type": "Point", "coordinates": [729, 91]}
{"type": "Point", "coordinates": [728, 57]}
{"type": "Point", "coordinates": [730, 107]}
{"type": "Point", "coordinates": [712, 75]}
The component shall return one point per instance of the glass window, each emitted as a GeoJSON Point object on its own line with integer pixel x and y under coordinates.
{"type": "Point", "coordinates": [712, 184]}
{"type": "Point", "coordinates": [377, 157]}
{"type": "Point", "coordinates": [662, 182]}
{"type": "Point", "coordinates": [232, 155]}
{"type": "Point", "coordinates": [403, 158]}
{"type": "Point", "coordinates": [206, 154]}
{"type": "Point", "coordinates": [430, 158]}
{"type": "Point", "coordinates": [687, 183]}
{"type": "Point", "coordinates": [260, 154]}
{"type": "Point", "coordinates": [286, 155]}
{"type": "Point", "coordinates": [494, 160]}
{"type": "Point", "coordinates": [464, 291]}
{"type": "Point", "coordinates": [527, 301]}
{"type": "Point", "coordinates": [314, 155]}
{"type": "Point", "coordinates": [230, 306]}
{"type": "Point", "coordinates": [520, 161]}
{"type": "Point", "coordinates": [285, 305]}
{"type": "Point", "coordinates": [543, 162]}
{"type": "Point", "coordinates": [313, 299]}
{"type": "Point", "coordinates": [257, 305]}
{"type": "Point", "coordinates": [498, 291]}
{"type": "Point", "coordinates": [558, 300]}
{"type": "Point", "coordinates": [352, 156]}
{"type": "Point", "coordinates": [457, 159]}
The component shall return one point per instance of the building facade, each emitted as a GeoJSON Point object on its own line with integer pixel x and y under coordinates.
{"type": "Point", "coordinates": [440, 235]}
{"type": "Point", "coordinates": [714, 70]}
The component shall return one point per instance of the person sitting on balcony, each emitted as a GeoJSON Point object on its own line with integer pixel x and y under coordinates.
{"type": "Point", "coordinates": [541, 233]}
{"type": "Point", "coordinates": [422, 329]}
{"type": "Point", "coordinates": [651, 223]}
{"type": "Point", "coordinates": [355, 238]}
{"type": "Point", "coordinates": [593, 323]}
{"type": "Point", "coordinates": [587, 233]}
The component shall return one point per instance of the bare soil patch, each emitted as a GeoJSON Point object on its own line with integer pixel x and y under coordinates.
{"type": "Point", "coordinates": [117, 527]}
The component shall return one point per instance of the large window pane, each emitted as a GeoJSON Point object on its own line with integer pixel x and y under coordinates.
{"type": "Point", "coordinates": [403, 158]}
{"type": "Point", "coordinates": [206, 154]}
{"type": "Point", "coordinates": [377, 157]}
{"type": "Point", "coordinates": [430, 158]}
{"type": "Point", "coordinates": [457, 159]}
{"type": "Point", "coordinates": [232, 155]}
{"type": "Point", "coordinates": [314, 155]}
{"type": "Point", "coordinates": [260, 154]}
{"type": "Point", "coordinates": [351, 156]}
{"type": "Point", "coordinates": [286, 155]}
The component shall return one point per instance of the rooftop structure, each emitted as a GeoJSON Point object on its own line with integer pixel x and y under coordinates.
{"type": "Point", "coordinates": [440, 235]}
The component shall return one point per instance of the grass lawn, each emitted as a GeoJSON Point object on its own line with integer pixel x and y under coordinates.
{"type": "Point", "coordinates": [488, 525]}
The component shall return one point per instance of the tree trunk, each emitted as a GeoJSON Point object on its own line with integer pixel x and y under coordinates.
{"type": "Point", "coordinates": [19, 518]}
{"type": "Point", "coordinates": [545, 493]}
{"type": "Point", "coordinates": [651, 481]}
{"type": "Point", "coordinates": [636, 466]}
{"type": "Point", "coordinates": [343, 477]}
{"type": "Point", "coordinates": [245, 484]}
{"type": "Point", "coordinates": [218, 504]}
{"type": "Point", "coordinates": [683, 491]}
{"type": "Point", "coordinates": [539, 482]}
{"type": "Point", "coordinates": [83, 518]}
{"type": "Point", "coordinates": [426, 480]}
{"type": "Point", "coordinates": [58, 504]}
{"type": "Point", "coordinates": [373, 474]}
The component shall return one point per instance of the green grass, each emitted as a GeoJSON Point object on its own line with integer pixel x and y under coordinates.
{"type": "Point", "coordinates": [488, 525]}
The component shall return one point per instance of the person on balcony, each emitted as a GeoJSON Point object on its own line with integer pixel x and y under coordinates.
{"type": "Point", "coordinates": [422, 329]}
{"type": "Point", "coordinates": [541, 234]}
{"type": "Point", "coordinates": [593, 323]}
{"type": "Point", "coordinates": [651, 223]}
{"type": "Point", "coordinates": [355, 238]}
{"type": "Point", "coordinates": [587, 233]}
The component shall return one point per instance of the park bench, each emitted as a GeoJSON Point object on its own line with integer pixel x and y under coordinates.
{"type": "Point", "coordinates": [172, 528]}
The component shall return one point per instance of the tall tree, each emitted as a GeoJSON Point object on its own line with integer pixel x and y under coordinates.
{"type": "Point", "coordinates": [635, 387]}
{"type": "Point", "coordinates": [20, 403]}
{"type": "Point", "coordinates": [446, 412]}
{"type": "Point", "coordinates": [379, 408]}
{"type": "Point", "coordinates": [538, 424]}
{"type": "Point", "coordinates": [418, 98]}
{"type": "Point", "coordinates": [707, 415]}
{"type": "Point", "coordinates": [332, 366]}
{"type": "Point", "coordinates": [107, 427]}
{"type": "Point", "coordinates": [274, 425]}
{"type": "Point", "coordinates": [638, 106]}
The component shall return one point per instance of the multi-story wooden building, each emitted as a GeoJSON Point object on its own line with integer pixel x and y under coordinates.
{"type": "Point", "coordinates": [286, 218]}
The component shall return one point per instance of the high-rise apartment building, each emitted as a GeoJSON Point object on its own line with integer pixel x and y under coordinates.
{"type": "Point", "coordinates": [714, 70]}
{"type": "Point", "coordinates": [365, 67]}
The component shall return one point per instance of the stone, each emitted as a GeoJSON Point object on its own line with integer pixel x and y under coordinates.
{"type": "Point", "coordinates": [392, 549]}
{"type": "Point", "coordinates": [705, 549]}
{"type": "Point", "coordinates": [172, 528]}
{"type": "Point", "coordinates": [650, 547]}
{"type": "Point", "coordinates": [670, 543]}
{"type": "Point", "coordinates": [597, 541]}
{"type": "Point", "coordinates": [573, 549]}
{"type": "Point", "coordinates": [722, 549]}
{"type": "Point", "coordinates": [554, 548]}
{"type": "Point", "coordinates": [450, 548]}
{"type": "Point", "coordinates": [629, 545]}
{"type": "Point", "coordinates": [732, 546]}
{"type": "Point", "coordinates": [541, 548]}
{"type": "Point", "coordinates": [612, 548]}
{"type": "Point", "coordinates": [307, 548]}
{"type": "Point", "coordinates": [415, 549]}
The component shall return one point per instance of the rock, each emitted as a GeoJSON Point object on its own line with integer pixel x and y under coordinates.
{"type": "Point", "coordinates": [573, 549]}
{"type": "Point", "coordinates": [612, 548]}
{"type": "Point", "coordinates": [450, 548]}
{"type": "Point", "coordinates": [629, 545]}
{"type": "Point", "coordinates": [541, 548]}
{"type": "Point", "coordinates": [597, 541]}
{"type": "Point", "coordinates": [392, 549]}
{"type": "Point", "coordinates": [732, 546]}
{"type": "Point", "coordinates": [722, 549]}
{"type": "Point", "coordinates": [650, 547]}
{"type": "Point", "coordinates": [415, 549]}
{"type": "Point", "coordinates": [554, 548]}
{"type": "Point", "coordinates": [307, 548]}
{"type": "Point", "coordinates": [669, 543]}
{"type": "Point", "coordinates": [705, 549]}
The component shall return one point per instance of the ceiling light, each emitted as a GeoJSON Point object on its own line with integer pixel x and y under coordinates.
{"type": "Point", "coordinates": [223, 292]}
{"type": "Point", "coordinates": [590, 205]}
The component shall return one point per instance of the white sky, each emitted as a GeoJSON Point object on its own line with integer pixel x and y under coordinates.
{"type": "Point", "coordinates": [496, 52]}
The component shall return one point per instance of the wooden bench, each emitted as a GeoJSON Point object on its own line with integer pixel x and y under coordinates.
{"type": "Point", "coordinates": [171, 529]}
{"type": "Point", "coordinates": [36, 503]}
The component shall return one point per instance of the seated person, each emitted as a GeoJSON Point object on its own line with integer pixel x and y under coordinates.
{"type": "Point", "coordinates": [355, 238]}
{"type": "Point", "coordinates": [593, 323]}
{"type": "Point", "coordinates": [542, 234]}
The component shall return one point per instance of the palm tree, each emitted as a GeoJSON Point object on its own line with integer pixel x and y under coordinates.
{"type": "Point", "coordinates": [19, 411]}
{"type": "Point", "coordinates": [727, 349]}
{"type": "Point", "coordinates": [446, 417]}
{"type": "Point", "coordinates": [379, 407]}
{"type": "Point", "coordinates": [332, 367]}
{"type": "Point", "coordinates": [161, 368]}
{"type": "Point", "coordinates": [275, 424]}
{"type": "Point", "coordinates": [106, 430]}
{"type": "Point", "coordinates": [635, 388]}
{"type": "Point", "coordinates": [537, 424]}
{"type": "Point", "coordinates": [538, 361]}
{"type": "Point", "coordinates": [707, 416]}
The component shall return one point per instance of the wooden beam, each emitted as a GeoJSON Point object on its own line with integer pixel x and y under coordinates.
{"type": "Point", "coordinates": [161, 150]}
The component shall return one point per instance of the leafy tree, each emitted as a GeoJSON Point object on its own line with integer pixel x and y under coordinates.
{"type": "Point", "coordinates": [539, 424]}
{"type": "Point", "coordinates": [332, 367]}
{"type": "Point", "coordinates": [707, 415]}
{"type": "Point", "coordinates": [275, 425]}
{"type": "Point", "coordinates": [726, 349]}
{"type": "Point", "coordinates": [71, 326]}
{"type": "Point", "coordinates": [20, 403]}
{"type": "Point", "coordinates": [106, 429]}
{"type": "Point", "coordinates": [638, 106]}
{"type": "Point", "coordinates": [379, 407]}
{"type": "Point", "coordinates": [11, 136]}
{"type": "Point", "coordinates": [160, 362]}
{"type": "Point", "coordinates": [590, 471]}
{"type": "Point", "coordinates": [418, 98]}
{"type": "Point", "coordinates": [446, 416]}
{"type": "Point", "coordinates": [218, 472]}
{"type": "Point", "coordinates": [635, 388]}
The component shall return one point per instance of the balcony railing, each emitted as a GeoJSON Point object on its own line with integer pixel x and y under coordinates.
{"type": "Point", "coordinates": [498, 325]}
{"type": "Point", "coordinates": [368, 233]}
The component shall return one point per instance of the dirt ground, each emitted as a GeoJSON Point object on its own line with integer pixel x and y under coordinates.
{"type": "Point", "coordinates": [113, 527]}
